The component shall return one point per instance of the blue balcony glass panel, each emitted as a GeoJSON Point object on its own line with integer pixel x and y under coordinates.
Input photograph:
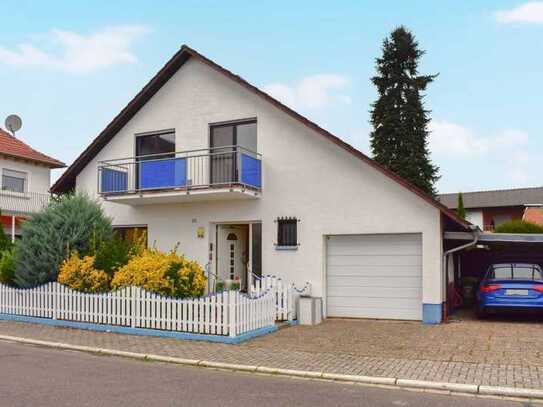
{"type": "Point", "coordinates": [113, 180]}
{"type": "Point", "coordinates": [251, 171]}
{"type": "Point", "coordinates": [170, 173]}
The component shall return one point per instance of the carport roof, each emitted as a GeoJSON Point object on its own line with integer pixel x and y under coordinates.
{"type": "Point", "coordinates": [489, 237]}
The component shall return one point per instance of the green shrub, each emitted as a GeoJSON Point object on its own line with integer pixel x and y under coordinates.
{"type": "Point", "coordinates": [164, 273]}
{"type": "Point", "coordinates": [518, 226]}
{"type": "Point", "coordinates": [7, 266]}
{"type": "Point", "coordinates": [114, 253]}
{"type": "Point", "coordinates": [219, 286]}
{"type": "Point", "coordinates": [5, 241]}
{"type": "Point", "coordinates": [70, 223]}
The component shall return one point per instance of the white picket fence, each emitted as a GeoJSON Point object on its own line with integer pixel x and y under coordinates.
{"type": "Point", "coordinates": [286, 295]}
{"type": "Point", "coordinates": [227, 313]}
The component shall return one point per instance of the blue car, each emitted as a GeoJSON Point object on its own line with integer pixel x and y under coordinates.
{"type": "Point", "coordinates": [510, 286]}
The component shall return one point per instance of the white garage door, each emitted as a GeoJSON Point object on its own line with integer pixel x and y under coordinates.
{"type": "Point", "coordinates": [375, 276]}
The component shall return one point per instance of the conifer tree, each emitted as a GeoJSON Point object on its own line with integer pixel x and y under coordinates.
{"type": "Point", "coordinates": [460, 206]}
{"type": "Point", "coordinates": [399, 139]}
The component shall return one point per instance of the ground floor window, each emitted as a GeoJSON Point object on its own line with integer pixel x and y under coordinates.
{"type": "Point", "coordinates": [132, 233]}
{"type": "Point", "coordinates": [287, 232]}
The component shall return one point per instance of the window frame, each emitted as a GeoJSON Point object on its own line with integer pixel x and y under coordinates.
{"type": "Point", "coordinates": [229, 149]}
{"type": "Point", "coordinates": [138, 136]}
{"type": "Point", "coordinates": [285, 242]}
{"type": "Point", "coordinates": [23, 175]}
{"type": "Point", "coordinates": [117, 228]}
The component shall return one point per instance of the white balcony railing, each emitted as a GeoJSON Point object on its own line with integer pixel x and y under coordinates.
{"type": "Point", "coordinates": [22, 203]}
{"type": "Point", "coordinates": [184, 170]}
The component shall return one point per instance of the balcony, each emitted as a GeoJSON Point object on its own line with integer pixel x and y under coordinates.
{"type": "Point", "coordinates": [230, 172]}
{"type": "Point", "coordinates": [22, 203]}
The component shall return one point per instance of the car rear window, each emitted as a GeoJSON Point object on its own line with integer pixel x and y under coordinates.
{"type": "Point", "coordinates": [515, 272]}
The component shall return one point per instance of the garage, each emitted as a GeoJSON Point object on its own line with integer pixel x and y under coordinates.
{"type": "Point", "coordinates": [374, 276]}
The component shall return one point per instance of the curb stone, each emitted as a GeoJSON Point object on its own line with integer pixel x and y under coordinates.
{"type": "Point", "coordinates": [360, 379]}
{"type": "Point", "coordinates": [454, 387]}
{"type": "Point", "coordinates": [511, 392]}
{"type": "Point", "coordinates": [496, 391]}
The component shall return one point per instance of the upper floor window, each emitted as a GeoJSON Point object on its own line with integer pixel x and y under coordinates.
{"type": "Point", "coordinates": [15, 181]}
{"type": "Point", "coordinates": [224, 141]}
{"type": "Point", "coordinates": [162, 143]}
{"type": "Point", "coordinates": [241, 134]}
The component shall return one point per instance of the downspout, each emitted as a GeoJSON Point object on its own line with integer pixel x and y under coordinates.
{"type": "Point", "coordinates": [475, 232]}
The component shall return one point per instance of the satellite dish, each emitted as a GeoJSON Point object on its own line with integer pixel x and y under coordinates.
{"type": "Point", "coordinates": [13, 123]}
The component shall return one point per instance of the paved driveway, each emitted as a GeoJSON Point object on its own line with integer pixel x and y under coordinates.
{"type": "Point", "coordinates": [496, 341]}
{"type": "Point", "coordinates": [494, 352]}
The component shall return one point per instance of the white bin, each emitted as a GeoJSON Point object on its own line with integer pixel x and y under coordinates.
{"type": "Point", "coordinates": [309, 310]}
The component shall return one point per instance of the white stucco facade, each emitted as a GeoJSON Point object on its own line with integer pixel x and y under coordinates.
{"type": "Point", "coordinates": [38, 176]}
{"type": "Point", "coordinates": [304, 175]}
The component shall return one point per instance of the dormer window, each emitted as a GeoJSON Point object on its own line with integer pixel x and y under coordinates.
{"type": "Point", "coordinates": [14, 181]}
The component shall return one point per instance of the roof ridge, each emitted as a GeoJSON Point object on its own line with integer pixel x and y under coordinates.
{"type": "Point", "coordinates": [170, 68]}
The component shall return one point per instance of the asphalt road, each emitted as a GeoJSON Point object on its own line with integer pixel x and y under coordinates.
{"type": "Point", "coordinates": [34, 376]}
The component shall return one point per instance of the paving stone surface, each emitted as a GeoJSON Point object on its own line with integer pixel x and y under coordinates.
{"type": "Point", "coordinates": [495, 352]}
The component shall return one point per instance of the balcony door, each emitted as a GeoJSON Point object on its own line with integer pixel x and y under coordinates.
{"type": "Point", "coordinates": [224, 142]}
{"type": "Point", "coordinates": [155, 165]}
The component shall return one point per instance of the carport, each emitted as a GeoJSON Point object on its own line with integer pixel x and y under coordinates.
{"type": "Point", "coordinates": [478, 250]}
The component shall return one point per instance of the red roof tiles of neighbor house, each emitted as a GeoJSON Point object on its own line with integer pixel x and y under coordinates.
{"type": "Point", "coordinates": [533, 214]}
{"type": "Point", "coordinates": [14, 147]}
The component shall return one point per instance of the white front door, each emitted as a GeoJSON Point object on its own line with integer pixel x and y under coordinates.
{"type": "Point", "coordinates": [232, 253]}
{"type": "Point", "coordinates": [374, 276]}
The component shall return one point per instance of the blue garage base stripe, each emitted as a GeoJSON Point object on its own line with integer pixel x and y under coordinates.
{"type": "Point", "coordinates": [432, 313]}
{"type": "Point", "coordinates": [142, 331]}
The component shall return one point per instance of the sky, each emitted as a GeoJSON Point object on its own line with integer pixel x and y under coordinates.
{"type": "Point", "coordinates": [68, 68]}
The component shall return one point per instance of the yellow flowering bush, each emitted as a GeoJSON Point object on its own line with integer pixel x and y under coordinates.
{"type": "Point", "coordinates": [168, 274]}
{"type": "Point", "coordinates": [81, 275]}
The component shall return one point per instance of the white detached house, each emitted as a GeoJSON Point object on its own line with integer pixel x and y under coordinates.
{"type": "Point", "coordinates": [25, 181]}
{"type": "Point", "coordinates": [247, 185]}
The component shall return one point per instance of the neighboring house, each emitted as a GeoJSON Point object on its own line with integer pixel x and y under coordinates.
{"type": "Point", "coordinates": [488, 209]}
{"type": "Point", "coordinates": [26, 179]}
{"type": "Point", "coordinates": [533, 214]}
{"type": "Point", "coordinates": [249, 187]}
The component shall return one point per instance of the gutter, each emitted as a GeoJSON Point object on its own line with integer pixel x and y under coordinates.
{"type": "Point", "coordinates": [476, 232]}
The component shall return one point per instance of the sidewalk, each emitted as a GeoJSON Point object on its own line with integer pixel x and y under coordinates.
{"type": "Point", "coordinates": [464, 352]}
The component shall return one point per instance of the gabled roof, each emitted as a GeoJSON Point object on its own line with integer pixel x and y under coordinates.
{"type": "Point", "coordinates": [496, 198]}
{"type": "Point", "coordinates": [67, 181]}
{"type": "Point", "coordinates": [13, 147]}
